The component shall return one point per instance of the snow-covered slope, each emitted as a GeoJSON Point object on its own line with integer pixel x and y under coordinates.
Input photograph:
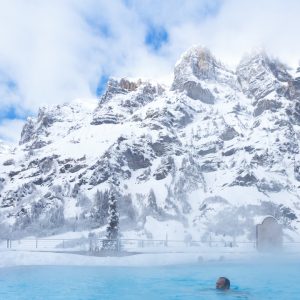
{"type": "Point", "coordinates": [210, 155]}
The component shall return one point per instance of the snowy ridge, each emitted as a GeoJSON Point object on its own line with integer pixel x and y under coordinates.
{"type": "Point", "coordinates": [208, 156]}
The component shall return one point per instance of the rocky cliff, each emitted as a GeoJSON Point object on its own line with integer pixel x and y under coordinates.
{"type": "Point", "coordinates": [209, 155]}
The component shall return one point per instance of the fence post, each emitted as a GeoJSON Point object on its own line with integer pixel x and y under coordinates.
{"type": "Point", "coordinates": [90, 247]}
{"type": "Point", "coordinates": [7, 243]}
{"type": "Point", "coordinates": [36, 243]}
{"type": "Point", "coordinates": [63, 243]}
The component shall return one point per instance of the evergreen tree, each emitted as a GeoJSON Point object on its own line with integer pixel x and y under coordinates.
{"type": "Point", "coordinates": [112, 230]}
{"type": "Point", "coordinates": [152, 201]}
{"type": "Point", "coordinates": [101, 206]}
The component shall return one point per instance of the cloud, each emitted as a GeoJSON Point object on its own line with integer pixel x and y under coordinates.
{"type": "Point", "coordinates": [240, 26]}
{"type": "Point", "coordinates": [10, 130]}
{"type": "Point", "coordinates": [54, 51]}
{"type": "Point", "coordinates": [58, 50]}
{"type": "Point", "coordinates": [41, 50]}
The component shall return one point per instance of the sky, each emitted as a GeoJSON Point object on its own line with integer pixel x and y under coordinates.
{"type": "Point", "coordinates": [52, 52]}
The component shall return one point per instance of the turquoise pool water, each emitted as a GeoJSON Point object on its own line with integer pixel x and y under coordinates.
{"type": "Point", "coordinates": [249, 281]}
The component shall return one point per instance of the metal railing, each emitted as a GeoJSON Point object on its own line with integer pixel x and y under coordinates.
{"type": "Point", "coordinates": [132, 245]}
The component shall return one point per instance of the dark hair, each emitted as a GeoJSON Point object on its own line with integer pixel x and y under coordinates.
{"type": "Point", "coordinates": [227, 282]}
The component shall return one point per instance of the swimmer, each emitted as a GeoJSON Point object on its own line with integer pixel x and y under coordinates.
{"type": "Point", "coordinates": [223, 284]}
{"type": "Point", "coordinates": [223, 287]}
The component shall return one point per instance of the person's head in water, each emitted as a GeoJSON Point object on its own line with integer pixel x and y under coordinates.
{"type": "Point", "coordinates": [223, 283]}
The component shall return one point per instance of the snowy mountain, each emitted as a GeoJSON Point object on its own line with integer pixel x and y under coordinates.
{"type": "Point", "coordinates": [208, 156]}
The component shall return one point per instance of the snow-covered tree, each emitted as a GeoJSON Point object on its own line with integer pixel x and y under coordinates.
{"type": "Point", "coordinates": [152, 201]}
{"type": "Point", "coordinates": [101, 205]}
{"type": "Point", "coordinates": [112, 230]}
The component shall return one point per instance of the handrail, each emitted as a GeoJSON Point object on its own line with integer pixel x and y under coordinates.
{"type": "Point", "coordinates": [148, 240]}
{"type": "Point", "coordinates": [90, 243]}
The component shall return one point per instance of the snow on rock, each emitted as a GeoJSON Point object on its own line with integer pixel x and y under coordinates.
{"type": "Point", "coordinates": [208, 156]}
{"type": "Point", "coordinates": [196, 70]}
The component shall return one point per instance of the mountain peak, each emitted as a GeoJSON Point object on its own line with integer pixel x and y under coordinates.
{"type": "Point", "coordinates": [199, 62]}
{"type": "Point", "coordinates": [199, 53]}
{"type": "Point", "coordinates": [196, 67]}
{"type": "Point", "coordinates": [260, 74]}
{"type": "Point", "coordinates": [258, 55]}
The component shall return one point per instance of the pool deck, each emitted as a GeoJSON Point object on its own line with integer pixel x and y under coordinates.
{"type": "Point", "coordinates": [30, 258]}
